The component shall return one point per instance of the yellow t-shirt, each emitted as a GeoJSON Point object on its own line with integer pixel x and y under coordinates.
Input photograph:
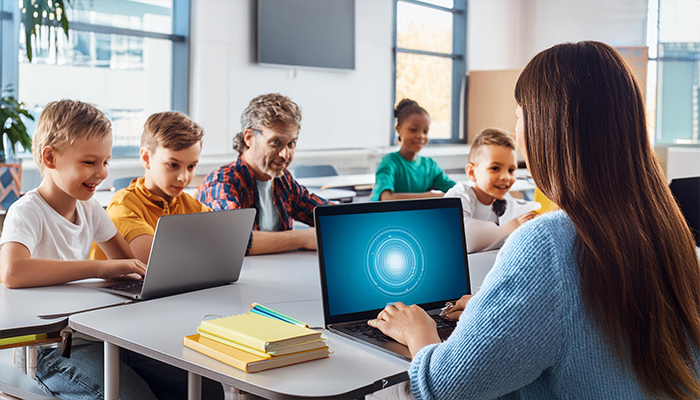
{"type": "Point", "coordinates": [135, 211]}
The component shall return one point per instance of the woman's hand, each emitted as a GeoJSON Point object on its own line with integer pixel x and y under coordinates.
{"type": "Point", "coordinates": [409, 325]}
{"type": "Point", "coordinates": [456, 311]}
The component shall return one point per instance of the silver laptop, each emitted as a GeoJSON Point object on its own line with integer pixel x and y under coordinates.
{"type": "Point", "coordinates": [192, 252]}
{"type": "Point", "coordinates": [379, 253]}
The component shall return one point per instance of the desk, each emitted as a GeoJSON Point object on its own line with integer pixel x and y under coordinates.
{"type": "Point", "coordinates": [520, 185]}
{"type": "Point", "coordinates": [353, 181]}
{"type": "Point", "coordinates": [341, 195]}
{"type": "Point", "coordinates": [19, 308]}
{"type": "Point", "coordinates": [338, 181]}
{"type": "Point", "coordinates": [289, 283]}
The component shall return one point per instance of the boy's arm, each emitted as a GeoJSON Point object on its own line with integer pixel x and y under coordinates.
{"type": "Point", "coordinates": [19, 270]}
{"type": "Point", "coordinates": [141, 247]}
{"type": "Point", "coordinates": [116, 248]}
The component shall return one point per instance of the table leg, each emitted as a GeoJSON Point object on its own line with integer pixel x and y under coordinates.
{"type": "Point", "coordinates": [194, 386]}
{"type": "Point", "coordinates": [32, 356]}
{"type": "Point", "coordinates": [111, 371]}
{"type": "Point", "coordinates": [231, 393]}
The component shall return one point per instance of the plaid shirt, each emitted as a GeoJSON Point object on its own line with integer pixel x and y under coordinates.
{"type": "Point", "coordinates": [233, 186]}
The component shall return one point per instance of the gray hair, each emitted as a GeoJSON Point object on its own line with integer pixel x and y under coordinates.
{"type": "Point", "coordinates": [268, 110]}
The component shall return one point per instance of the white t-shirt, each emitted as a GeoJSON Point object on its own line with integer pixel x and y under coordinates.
{"type": "Point", "coordinates": [482, 227]}
{"type": "Point", "coordinates": [268, 216]}
{"type": "Point", "coordinates": [32, 222]}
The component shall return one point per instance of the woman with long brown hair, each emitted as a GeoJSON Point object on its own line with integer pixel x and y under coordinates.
{"type": "Point", "coordinates": [600, 300]}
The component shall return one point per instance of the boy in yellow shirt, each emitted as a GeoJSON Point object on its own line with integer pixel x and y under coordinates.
{"type": "Point", "coordinates": [170, 148]}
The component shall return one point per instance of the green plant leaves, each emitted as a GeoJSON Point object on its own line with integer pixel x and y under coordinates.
{"type": "Point", "coordinates": [12, 126]}
{"type": "Point", "coordinates": [36, 13]}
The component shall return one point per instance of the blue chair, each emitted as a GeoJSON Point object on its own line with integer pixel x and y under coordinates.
{"type": "Point", "coordinates": [309, 171]}
{"type": "Point", "coordinates": [121, 183]}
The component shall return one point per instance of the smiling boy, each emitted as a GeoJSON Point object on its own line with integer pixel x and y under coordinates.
{"type": "Point", "coordinates": [490, 212]}
{"type": "Point", "coordinates": [47, 233]}
{"type": "Point", "coordinates": [170, 148]}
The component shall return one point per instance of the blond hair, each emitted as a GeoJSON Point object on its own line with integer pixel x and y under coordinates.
{"type": "Point", "coordinates": [65, 121]}
{"type": "Point", "coordinates": [171, 130]}
{"type": "Point", "coordinates": [490, 137]}
{"type": "Point", "coordinates": [268, 110]}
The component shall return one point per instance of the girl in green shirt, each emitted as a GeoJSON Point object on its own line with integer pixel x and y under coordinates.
{"type": "Point", "coordinates": [405, 174]}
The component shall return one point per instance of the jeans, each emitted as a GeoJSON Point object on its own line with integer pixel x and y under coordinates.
{"type": "Point", "coordinates": [401, 391]}
{"type": "Point", "coordinates": [81, 377]}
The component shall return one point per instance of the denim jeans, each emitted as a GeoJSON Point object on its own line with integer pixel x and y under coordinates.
{"type": "Point", "coordinates": [81, 377]}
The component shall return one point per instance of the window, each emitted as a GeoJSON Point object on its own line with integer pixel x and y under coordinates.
{"type": "Point", "coordinates": [430, 48]}
{"type": "Point", "coordinates": [673, 38]}
{"type": "Point", "coordinates": [127, 57]}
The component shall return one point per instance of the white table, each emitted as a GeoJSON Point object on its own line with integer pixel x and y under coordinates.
{"type": "Point", "coordinates": [20, 308]}
{"type": "Point", "coordinates": [341, 195]}
{"type": "Point", "coordinates": [287, 282]}
{"type": "Point", "coordinates": [338, 181]}
{"type": "Point", "coordinates": [367, 180]}
{"type": "Point", "coordinates": [520, 184]}
{"type": "Point", "coordinates": [19, 316]}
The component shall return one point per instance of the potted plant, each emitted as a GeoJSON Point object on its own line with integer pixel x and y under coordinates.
{"type": "Point", "coordinates": [14, 131]}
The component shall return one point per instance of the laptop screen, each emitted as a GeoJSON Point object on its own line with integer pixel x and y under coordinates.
{"type": "Point", "coordinates": [374, 254]}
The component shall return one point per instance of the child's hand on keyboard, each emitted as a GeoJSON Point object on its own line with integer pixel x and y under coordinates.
{"type": "Point", "coordinates": [120, 268]}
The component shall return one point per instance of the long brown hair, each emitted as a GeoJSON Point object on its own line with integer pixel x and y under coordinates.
{"type": "Point", "coordinates": [588, 150]}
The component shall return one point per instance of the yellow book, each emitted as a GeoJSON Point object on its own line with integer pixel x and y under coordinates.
{"type": "Point", "coordinates": [245, 361]}
{"type": "Point", "coordinates": [316, 344]}
{"type": "Point", "coordinates": [257, 332]}
{"type": "Point", "coordinates": [22, 339]}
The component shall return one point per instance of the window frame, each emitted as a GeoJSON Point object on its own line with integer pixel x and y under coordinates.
{"type": "Point", "coordinates": [10, 24]}
{"type": "Point", "coordinates": [459, 68]}
{"type": "Point", "coordinates": [654, 45]}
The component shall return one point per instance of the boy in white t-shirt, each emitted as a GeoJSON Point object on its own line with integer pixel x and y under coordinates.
{"type": "Point", "coordinates": [490, 212]}
{"type": "Point", "coordinates": [47, 235]}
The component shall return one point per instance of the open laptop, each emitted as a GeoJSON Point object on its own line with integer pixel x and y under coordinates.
{"type": "Point", "coordinates": [379, 253]}
{"type": "Point", "coordinates": [192, 252]}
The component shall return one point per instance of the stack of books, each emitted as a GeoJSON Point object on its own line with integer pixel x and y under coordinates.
{"type": "Point", "coordinates": [253, 342]}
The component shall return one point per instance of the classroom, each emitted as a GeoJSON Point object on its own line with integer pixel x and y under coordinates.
{"type": "Point", "coordinates": [349, 199]}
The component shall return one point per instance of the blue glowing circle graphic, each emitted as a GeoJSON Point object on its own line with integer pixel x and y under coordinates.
{"type": "Point", "coordinates": [394, 261]}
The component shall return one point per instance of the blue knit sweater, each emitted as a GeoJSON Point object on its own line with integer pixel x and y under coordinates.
{"type": "Point", "coordinates": [526, 334]}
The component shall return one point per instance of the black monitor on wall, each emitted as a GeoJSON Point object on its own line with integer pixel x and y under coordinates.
{"type": "Point", "coordinates": [307, 33]}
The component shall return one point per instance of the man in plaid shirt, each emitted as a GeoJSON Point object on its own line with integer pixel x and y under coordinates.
{"type": "Point", "coordinates": [259, 178]}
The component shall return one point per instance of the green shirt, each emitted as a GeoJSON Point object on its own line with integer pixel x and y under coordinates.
{"type": "Point", "coordinates": [398, 175]}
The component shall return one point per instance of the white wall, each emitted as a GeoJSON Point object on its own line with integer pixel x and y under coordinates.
{"type": "Point", "coordinates": [505, 34]}
{"type": "Point", "coordinates": [353, 109]}
{"type": "Point", "coordinates": [340, 109]}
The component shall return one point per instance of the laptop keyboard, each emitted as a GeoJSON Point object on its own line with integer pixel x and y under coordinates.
{"type": "Point", "coordinates": [366, 330]}
{"type": "Point", "coordinates": [442, 323]}
{"type": "Point", "coordinates": [132, 287]}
